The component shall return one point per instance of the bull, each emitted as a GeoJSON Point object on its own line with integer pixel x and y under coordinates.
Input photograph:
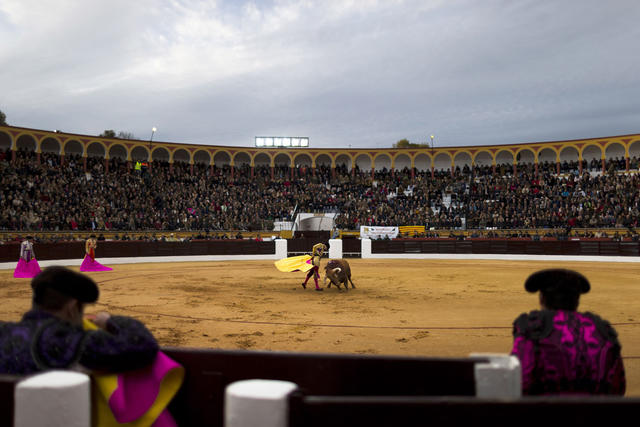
{"type": "Point", "coordinates": [338, 272]}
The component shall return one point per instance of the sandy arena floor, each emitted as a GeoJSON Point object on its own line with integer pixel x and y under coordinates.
{"type": "Point", "coordinates": [410, 307]}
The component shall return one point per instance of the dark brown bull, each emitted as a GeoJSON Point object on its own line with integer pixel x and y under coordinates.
{"type": "Point", "coordinates": [338, 271]}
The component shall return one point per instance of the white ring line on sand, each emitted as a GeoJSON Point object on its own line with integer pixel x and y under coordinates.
{"type": "Point", "coordinates": [208, 258]}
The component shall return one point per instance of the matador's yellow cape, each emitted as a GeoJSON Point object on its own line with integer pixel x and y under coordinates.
{"type": "Point", "coordinates": [295, 263]}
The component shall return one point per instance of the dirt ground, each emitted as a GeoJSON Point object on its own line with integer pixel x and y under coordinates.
{"type": "Point", "coordinates": [405, 307]}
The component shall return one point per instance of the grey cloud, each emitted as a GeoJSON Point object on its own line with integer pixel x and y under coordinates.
{"type": "Point", "coordinates": [469, 72]}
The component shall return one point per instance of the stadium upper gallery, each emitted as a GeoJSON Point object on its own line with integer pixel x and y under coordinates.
{"type": "Point", "coordinates": [55, 181]}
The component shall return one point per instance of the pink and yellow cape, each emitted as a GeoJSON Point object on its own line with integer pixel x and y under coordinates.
{"type": "Point", "coordinates": [295, 263]}
{"type": "Point", "coordinates": [136, 398]}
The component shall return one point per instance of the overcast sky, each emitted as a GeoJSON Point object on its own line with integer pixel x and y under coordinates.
{"type": "Point", "coordinates": [357, 73]}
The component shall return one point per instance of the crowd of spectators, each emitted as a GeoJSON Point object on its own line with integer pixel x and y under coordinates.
{"type": "Point", "coordinates": [481, 199]}
{"type": "Point", "coordinates": [124, 237]}
{"type": "Point", "coordinates": [51, 195]}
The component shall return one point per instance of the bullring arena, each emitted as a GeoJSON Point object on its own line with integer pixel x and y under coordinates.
{"type": "Point", "coordinates": [447, 308]}
{"type": "Point", "coordinates": [475, 222]}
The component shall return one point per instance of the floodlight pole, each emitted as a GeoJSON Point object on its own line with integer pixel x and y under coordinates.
{"type": "Point", "coordinates": [153, 131]}
{"type": "Point", "coordinates": [433, 161]}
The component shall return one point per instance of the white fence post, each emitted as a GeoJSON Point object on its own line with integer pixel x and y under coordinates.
{"type": "Point", "coordinates": [281, 248]}
{"type": "Point", "coordinates": [54, 398]}
{"type": "Point", "coordinates": [335, 248]}
{"type": "Point", "coordinates": [500, 378]}
{"type": "Point", "coordinates": [366, 248]}
{"type": "Point", "coordinates": [261, 403]}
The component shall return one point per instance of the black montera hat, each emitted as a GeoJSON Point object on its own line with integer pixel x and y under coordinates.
{"type": "Point", "coordinates": [559, 280]}
{"type": "Point", "coordinates": [67, 282]}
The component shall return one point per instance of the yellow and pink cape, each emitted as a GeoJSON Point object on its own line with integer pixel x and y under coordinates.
{"type": "Point", "coordinates": [295, 263]}
{"type": "Point", "coordinates": [136, 398]}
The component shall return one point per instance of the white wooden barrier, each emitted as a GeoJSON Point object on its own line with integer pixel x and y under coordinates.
{"type": "Point", "coordinates": [281, 248]}
{"type": "Point", "coordinates": [54, 398]}
{"type": "Point", "coordinates": [261, 403]}
{"type": "Point", "coordinates": [365, 251]}
{"type": "Point", "coordinates": [335, 248]}
{"type": "Point", "coordinates": [500, 378]}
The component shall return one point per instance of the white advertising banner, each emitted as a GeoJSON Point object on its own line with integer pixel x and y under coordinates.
{"type": "Point", "coordinates": [378, 232]}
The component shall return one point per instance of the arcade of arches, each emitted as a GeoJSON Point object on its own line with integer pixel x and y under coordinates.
{"type": "Point", "coordinates": [623, 148]}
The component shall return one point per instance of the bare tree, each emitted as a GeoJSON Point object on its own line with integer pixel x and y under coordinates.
{"type": "Point", "coordinates": [126, 135]}
{"type": "Point", "coordinates": [404, 143]}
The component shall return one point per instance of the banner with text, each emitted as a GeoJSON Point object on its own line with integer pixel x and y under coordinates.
{"type": "Point", "coordinates": [378, 232]}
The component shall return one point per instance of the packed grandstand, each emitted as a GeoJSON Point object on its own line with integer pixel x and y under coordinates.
{"type": "Point", "coordinates": [48, 184]}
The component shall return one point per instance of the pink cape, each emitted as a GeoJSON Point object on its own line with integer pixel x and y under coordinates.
{"type": "Point", "coordinates": [92, 265]}
{"type": "Point", "coordinates": [26, 270]}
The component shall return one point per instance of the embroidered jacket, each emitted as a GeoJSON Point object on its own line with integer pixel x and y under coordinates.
{"type": "Point", "coordinates": [566, 352]}
{"type": "Point", "coordinates": [41, 341]}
